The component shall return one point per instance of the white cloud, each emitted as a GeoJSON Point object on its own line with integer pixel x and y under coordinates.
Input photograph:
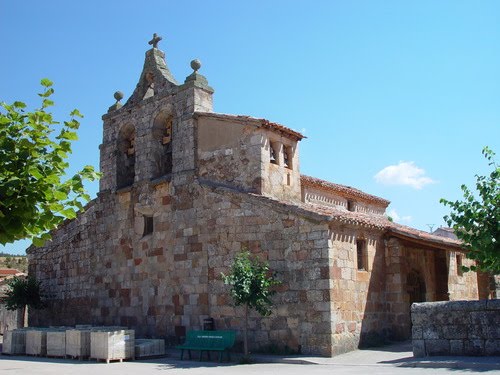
{"type": "Point", "coordinates": [405, 173]}
{"type": "Point", "coordinates": [399, 219]}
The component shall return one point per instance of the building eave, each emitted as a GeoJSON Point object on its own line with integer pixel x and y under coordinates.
{"type": "Point", "coordinates": [259, 122]}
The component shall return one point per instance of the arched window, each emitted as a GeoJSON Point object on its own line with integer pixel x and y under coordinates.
{"type": "Point", "coordinates": [125, 158]}
{"type": "Point", "coordinates": [162, 133]}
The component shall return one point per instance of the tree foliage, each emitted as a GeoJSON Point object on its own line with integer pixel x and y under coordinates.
{"type": "Point", "coordinates": [34, 197]}
{"type": "Point", "coordinates": [251, 286]}
{"type": "Point", "coordinates": [23, 292]}
{"type": "Point", "coordinates": [476, 219]}
{"type": "Point", "coordinates": [251, 283]}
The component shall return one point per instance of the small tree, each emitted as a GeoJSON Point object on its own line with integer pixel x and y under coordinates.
{"type": "Point", "coordinates": [251, 286]}
{"type": "Point", "coordinates": [23, 292]}
{"type": "Point", "coordinates": [33, 197]}
{"type": "Point", "coordinates": [476, 220]}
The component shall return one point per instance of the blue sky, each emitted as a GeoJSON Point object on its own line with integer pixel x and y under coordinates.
{"type": "Point", "coordinates": [397, 98]}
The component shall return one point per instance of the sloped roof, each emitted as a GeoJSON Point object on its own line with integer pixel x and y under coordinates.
{"type": "Point", "coordinates": [9, 272]}
{"type": "Point", "coordinates": [342, 189]}
{"type": "Point", "coordinates": [338, 215]}
{"type": "Point", "coordinates": [259, 122]}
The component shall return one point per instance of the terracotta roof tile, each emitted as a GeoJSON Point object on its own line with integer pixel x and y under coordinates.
{"type": "Point", "coordinates": [328, 213]}
{"type": "Point", "coordinates": [9, 272]}
{"type": "Point", "coordinates": [346, 190]}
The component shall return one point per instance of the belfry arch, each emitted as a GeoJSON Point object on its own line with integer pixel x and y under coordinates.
{"type": "Point", "coordinates": [163, 136]}
{"type": "Point", "coordinates": [125, 158]}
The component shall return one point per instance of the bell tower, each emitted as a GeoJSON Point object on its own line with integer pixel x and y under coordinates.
{"type": "Point", "coordinates": [151, 136]}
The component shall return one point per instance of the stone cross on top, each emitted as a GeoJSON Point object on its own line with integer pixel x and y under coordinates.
{"type": "Point", "coordinates": [155, 40]}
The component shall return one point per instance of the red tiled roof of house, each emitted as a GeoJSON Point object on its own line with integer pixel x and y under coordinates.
{"type": "Point", "coordinates": [342, 189]}
{"type": "Point", "coordinates": [260, 122]}
{"type": "Point", "coordinates": [9, 272]}
{"type": "Point", "coordinates": [382, 222]}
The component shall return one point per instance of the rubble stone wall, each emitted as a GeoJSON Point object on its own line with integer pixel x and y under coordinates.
{"type": "Point", "coordinates": [463, 328]}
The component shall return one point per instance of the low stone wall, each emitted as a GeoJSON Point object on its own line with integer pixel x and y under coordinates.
{"type": "Point", "coordinates": [9, 319]}
{"type": "Point", "coordinates": [463, 328]}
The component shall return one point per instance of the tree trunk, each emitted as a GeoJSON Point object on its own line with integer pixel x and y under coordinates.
{"type": "Point", "coordinates": [245, 332]}
{"type": "Point", "coordinates": [25, 316]}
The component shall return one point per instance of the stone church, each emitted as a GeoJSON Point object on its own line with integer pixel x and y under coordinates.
{"type": "Point", "coordinates": [184, 189]}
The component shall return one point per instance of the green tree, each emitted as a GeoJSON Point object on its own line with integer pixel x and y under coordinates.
{"type": "Point", "coordinates": [23, 292]}
{"type": "Point", "coordinates": [34, 198]}
{"type": "Point", "coordinates": [476, 219]}
{"type": "Point", "coordinates": [251, 286]}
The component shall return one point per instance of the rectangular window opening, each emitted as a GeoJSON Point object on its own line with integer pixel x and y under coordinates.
{"type": "Point", "coordinates": [148, 225]}
{"type": "Point", "coordinates": [362, 256]}
{"type": "Point", "coordinates": [287, 157]}
{"type": "Point", "coordinates": [459, 265]}
{"type": "Point", "coordinates": [350, 205]}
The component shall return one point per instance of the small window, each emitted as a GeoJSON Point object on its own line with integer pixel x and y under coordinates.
{"type": "Point", "coordinates": [459, 265]}
{"type": "Point", "coordinates": [350, 205]}
{"type": "Point", "coordinates": [288, 179]}
{"type": "Point", "coordinates": [273, 155]}
{"type": "Point", "coordinates": [148, 225]}
{"type": "Point", "coordinates": [287, 157]}
{"type": "Point", "coordinates": [362, 256]}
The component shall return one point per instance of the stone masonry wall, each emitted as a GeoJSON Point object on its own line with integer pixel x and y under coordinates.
{"type": "Point", "coordinates": [463, 328]}
{"type": "Point", "coordinates": [358, 296]}
{"type": "Point", "coordinates": [100, 269]}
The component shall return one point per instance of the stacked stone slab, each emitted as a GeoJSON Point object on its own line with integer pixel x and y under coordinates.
{"type": "Point", "coordinates": [145, 348]}
{"type": "Point", "coordinates": [78, 343]}
{"type": "Point", "coordinates": [56, 342]}
{"type": "Point", "coordinates": [463, 328]}
{"type": "Point", "coordinates": [14, 342]}
{"type": "Point", "coordinates": [112, 345]}
{"type": "Point", "coordinates": [36, 341]}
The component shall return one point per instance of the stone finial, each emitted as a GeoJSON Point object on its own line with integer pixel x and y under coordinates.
{"type": "Point", "coordinates": [118, 96]}
{"type": "Point", "coordinates": [195, 65]}
{"type": "Point", "coordinates": [156, 39]}
{"type": "Point", "coordinates": [197, 79]}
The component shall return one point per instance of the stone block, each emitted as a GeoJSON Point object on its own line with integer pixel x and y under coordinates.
{"type": "Point", "coordinates": [417, 333]}
{"type": "Point", "coordinates": [454, 331]}
{"type": "Point", "coordinates": [492, 332]}
{"type": "Point", "coordinates": [485, 318]}
{"type": "Point", "coordinates": [432, 332]}
{"type": "Point", "coordinates": [418, 348]}
{"type": "Point", "coordinates": [437, 347]}
{"type": "Point", "coordinates": [474, 347]}
{"type": "Point", "coordinates": [492, 347]}
{"type": "Point", "coordinates": [476, 331]}
{"type": "Point", "coordinates": [493, 304]}
{"type": "Point", "coordinates": [456, 347]}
